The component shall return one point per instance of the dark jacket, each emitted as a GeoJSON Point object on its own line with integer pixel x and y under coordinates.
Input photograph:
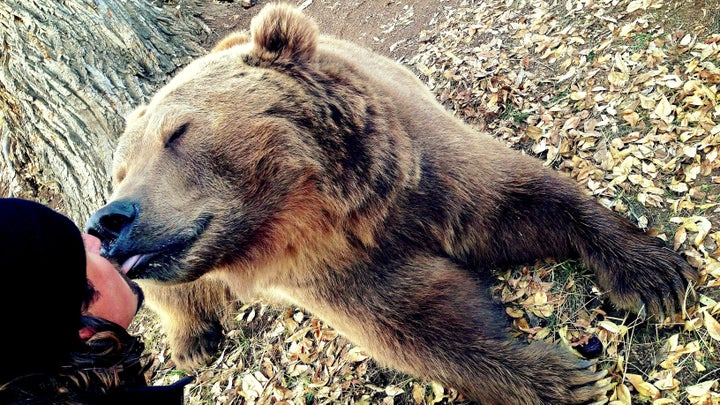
{"type": "Point", "coordinates": [158, 395]}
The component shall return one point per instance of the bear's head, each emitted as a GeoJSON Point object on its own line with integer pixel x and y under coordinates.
{"type": "Point", "coordinates": [245, 154]}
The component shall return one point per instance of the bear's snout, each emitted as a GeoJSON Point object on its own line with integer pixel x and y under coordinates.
{"type": "Point", "coordinates": [110, 221]}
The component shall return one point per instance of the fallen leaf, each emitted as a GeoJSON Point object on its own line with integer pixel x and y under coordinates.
{"type": "Point", "coordinates": [701, 389]}
{"type": "Point", "coordinates": [711, 325]}
{"type": "Point", "coordinates": [393, 390]}
{"type": "Point", "coordinates": [356, 354]}
{"type": "Point", "coordinates": [664, 110]}
{"type": "Point", "coordinates": [619, 79]}
{"type": "Point", "coordinates": [637, 5]}
{"type": "Point", "coordinates": [644, 388]}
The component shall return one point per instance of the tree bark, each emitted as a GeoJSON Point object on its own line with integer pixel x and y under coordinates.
{"type": "Point", "coordinates": [69, 73]}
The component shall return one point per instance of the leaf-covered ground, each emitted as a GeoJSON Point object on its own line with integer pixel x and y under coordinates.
{"type": "Point", "coordinates": [621, 95]}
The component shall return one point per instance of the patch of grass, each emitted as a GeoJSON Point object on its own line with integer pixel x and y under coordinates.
{"type": "Point", "coordinates": [513, 113]}
{"type": "Point", "coordinates": [640, 42]}
{"type": "Point", "coordinates": [574, 282]}
{"type": "Point", "coordinates": [559, 97]}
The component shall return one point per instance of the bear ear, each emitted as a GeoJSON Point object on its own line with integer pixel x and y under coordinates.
{"type": "Point", "coordinates": [282, 31]}
{"type": "Point", "coordinates": [233, 39]}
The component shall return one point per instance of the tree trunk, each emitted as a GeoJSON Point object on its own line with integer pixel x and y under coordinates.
{"type": "Point", "coordinates": [69, 72]}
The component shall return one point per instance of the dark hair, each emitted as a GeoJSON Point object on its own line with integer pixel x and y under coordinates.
{"type": "Point", "coordinates": [109, 360]}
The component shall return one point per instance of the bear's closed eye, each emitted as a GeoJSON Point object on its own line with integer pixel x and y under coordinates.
{"type": "Point", "coordinates": [175, 135]}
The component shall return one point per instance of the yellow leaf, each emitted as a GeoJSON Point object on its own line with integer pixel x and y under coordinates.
{"type": "Point", "coordinates": [356, 354]}
{"type": "Point", "coordinates": [578, 95]}
{"type": "Point", "coordinates": [418, 393]}
{"type": "Point", "coordinates": [570, 73]}
{"type": "Point", "coordinates": [699, 390]}
{"type": "Point", "coordinates": [609, 326]}
{"type": "Point", "coordinates": [622, 393]}
{"type": "Point", "coordinates": [542, 334]}
{"type": "Point", "coordinates": [429, 71]}
{"type": "Point", "coordinates": [631, 117]}
{"type": "Point", "coordinates": [571, 123]}
{"type": "Point", "coordinates": [533, 132]}
{"type": "Point", "coordinates": [671, 343]}
{"type": "Point", "coordinates": [626, 29]}
{"type": "Point", "coordinates": [364, 400]}
{"type": "Point", "coordinates": [643, 388]}
{"type": "Point", "coordinates": [438, 392]}
{"type": "Point", "coordinates": [393, 390]}
{"type": "Point", "coordinates": [692, 324]}
{"type": "Point", "coordinates": [711, 325]}
{"type": "Point", "coordinates": [692, 65]}
{"type": "Point", "coordinates": [672, 81]}
{"type": "Point", "coordinates": [667, 383]}
{"type": "Point", "coordinates": [514, 312]}
{"type": "Point", "coordinates": [679, 187]}
{"type": "Point", "coordinates": [546, 310]}
{"type": "Point", "coordinates": [637, 5]}
{"type": "Point", "coordinates": [680, 237]}
{"type": "Point", "coordinates": [694, 100]}
{"type": "Point", "coordinates": [703, 226]}
{"type": "Point", "coordinates": [664, 109]}
{"type": "Point", "coordinates": [690, 150]}
{"type": "Point", "coordinates": [686, 40]}
{"type": "Point", "coordinates": [618, 78]}
{"type": "Point", "coordinates": [647, 103]}
{"type": "Point", "coordinates": [251, 387]}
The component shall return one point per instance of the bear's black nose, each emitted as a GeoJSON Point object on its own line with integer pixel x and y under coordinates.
{"type": "Point", "coordinates": [108, 222]}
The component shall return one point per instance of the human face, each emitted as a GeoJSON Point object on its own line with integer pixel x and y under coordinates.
{"type": "Point", "coordinates": [117, 299]}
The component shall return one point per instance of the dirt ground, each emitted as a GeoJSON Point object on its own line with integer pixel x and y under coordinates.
{"type": "Point", "coordinates": [389, 27]}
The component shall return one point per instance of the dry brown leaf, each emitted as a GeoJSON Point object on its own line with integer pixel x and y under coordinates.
{"type": "Point", "coordinates": [393, 390]}
{"type": "Point", "coordinates": [701, 389]}
{"type": "Point", "coordinates": [664, 110]}
{"type": "Point", "coordinates": [356, 354]}
{"type": "Point", "coordinates": [711, 325]}
{"type": "Point", "coordinates": [438, 392]}
{"type": "Point", "coordinates": [418, 393]}
{"type": "Point", "coordinates": [643, 387]}
{"type": "Point", "coordinates": [637, 5]}
{"type": "Point", "coordinates": [631, 117]}
{"type": "Point", "coordinates": [622, 395]}
{"type": "Point", "coordinates": [619, 79]}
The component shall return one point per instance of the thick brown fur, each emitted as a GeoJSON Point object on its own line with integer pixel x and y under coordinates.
{"type": "Point", "coordinates": [297, 167]}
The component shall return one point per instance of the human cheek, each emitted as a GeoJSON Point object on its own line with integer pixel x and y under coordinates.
{"type": "Point", "coordinates": [115, 301]}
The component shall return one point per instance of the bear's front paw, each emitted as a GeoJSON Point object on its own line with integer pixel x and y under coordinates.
{"type": "Point", "coordinates": [650, 278]}
{"type": "Point", "coordinates": [193, 351]}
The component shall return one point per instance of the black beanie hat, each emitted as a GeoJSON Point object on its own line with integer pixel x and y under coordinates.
{"type": "Point", "coordinates": [42, 260]}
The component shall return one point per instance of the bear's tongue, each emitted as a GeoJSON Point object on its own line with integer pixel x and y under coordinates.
{"type": "Point", "coordinates": [129, 263]}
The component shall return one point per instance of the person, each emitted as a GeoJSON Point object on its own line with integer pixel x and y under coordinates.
{"type": "Point", "coordinates": [65, 313]}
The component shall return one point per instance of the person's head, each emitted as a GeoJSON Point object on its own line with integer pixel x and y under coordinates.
{"type": "Point", "coordinates": [65, 308]}
{"type": "Point", "coordinates": [114, 297]}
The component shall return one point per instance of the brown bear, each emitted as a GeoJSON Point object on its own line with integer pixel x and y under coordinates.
{"type": "Point", "coordinates": [304, 169]}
